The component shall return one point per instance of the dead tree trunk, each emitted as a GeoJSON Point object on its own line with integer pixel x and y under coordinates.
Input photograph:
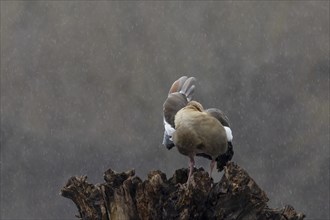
{"type": "Point", "coordinates": [125, 196]}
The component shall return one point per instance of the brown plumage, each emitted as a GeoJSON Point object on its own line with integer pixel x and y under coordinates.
{"type": "Point", "coordinates": [193, 130]}
{"type": "Point", "coordinates": [196, 132]}
{"type": "Point", "coordinates": [179, 95]}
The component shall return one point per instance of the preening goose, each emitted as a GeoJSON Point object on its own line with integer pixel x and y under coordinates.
{"type": "Point", "coordinates": [193, 130]}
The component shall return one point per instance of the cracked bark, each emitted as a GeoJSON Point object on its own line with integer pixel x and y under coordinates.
{"type": "Point", "coordinates": [125, 196]}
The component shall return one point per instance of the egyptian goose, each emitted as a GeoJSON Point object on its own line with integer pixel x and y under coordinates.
{"type": "Point", "coordinates": [193, 130]}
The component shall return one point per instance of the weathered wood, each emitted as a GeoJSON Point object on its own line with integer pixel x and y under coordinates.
{"type": "Point", "coordinates": [125, 196]}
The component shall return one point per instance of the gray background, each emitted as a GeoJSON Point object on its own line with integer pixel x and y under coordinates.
{"type": "Point", "coordinates": [83, 83]}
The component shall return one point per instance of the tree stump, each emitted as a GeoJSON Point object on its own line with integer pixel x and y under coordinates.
{"type": "Point", "coordinates": [125, 196]}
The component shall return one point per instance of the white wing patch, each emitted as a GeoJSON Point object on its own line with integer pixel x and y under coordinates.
{"type": "Point", "coordinates": [168, 128]}
{"type": "Point", "coordinates": [229, 134]}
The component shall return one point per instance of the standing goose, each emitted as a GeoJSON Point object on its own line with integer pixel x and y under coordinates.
{"type": "Point", "coordinates": [178, 97]}
{"type": "Point", "coordinates": [193, 130]}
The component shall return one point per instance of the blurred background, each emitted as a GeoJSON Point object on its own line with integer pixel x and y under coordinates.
{"type": "Point", "coordinates": [83, 83]}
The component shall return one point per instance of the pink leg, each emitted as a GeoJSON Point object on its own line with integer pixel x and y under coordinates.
{"type": "Point", "coordinates": [211, 167]}
{"type": "Point", "coordinates": [191, 167]}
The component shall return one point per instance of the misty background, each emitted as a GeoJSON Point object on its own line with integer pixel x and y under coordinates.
{"type": "Point", "coordinates": [83, 83]}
